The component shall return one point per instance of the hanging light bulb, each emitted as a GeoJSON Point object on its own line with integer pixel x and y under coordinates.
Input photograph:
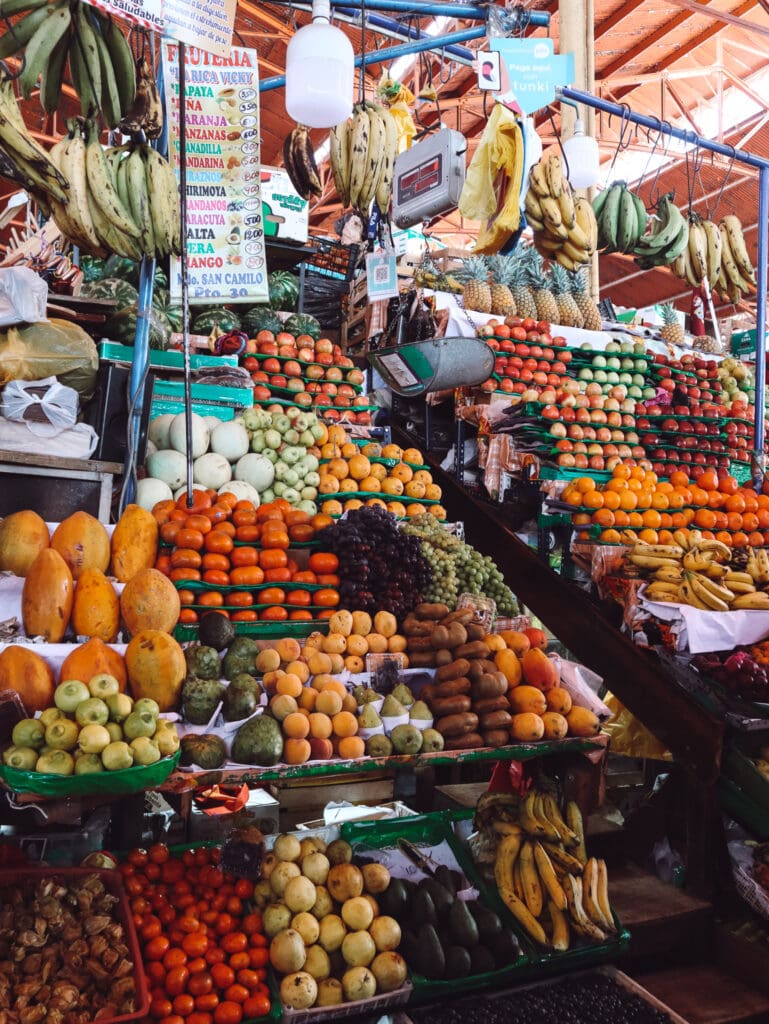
{"type": "Point", "coordinates": [320, 65]}
{"type": "Point", "coordinates": [582, 154]}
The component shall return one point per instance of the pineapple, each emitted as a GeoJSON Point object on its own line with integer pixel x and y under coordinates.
{"type": "Point", "coordinates": [522, 293]}
{"type": "Point", "coordinates": [588, 309]}
{"type": "Point", "coordinates": [476, 293]}
{"type": "Point", "coordinates": [502, 271]}
{"type": "Point", "coordinates": [547, 308]}
{"type": "Point", "coordinates": [672, 332]}
{"type": "Point", "coordinates": [568, 311]}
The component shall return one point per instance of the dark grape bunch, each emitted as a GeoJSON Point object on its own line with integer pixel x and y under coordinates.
{"type": "Point", "coordinates": [457, 568]}
{"type": "Point", "coordinates": [586, 1000]}
{"type": "Point", "coordinates": [738, 672]}
{"type": "Point", "coordinates": [379, 567]}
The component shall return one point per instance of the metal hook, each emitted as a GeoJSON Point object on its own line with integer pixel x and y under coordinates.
{"type": "Point", "coordinates": [621, 143]}
{"type": "Point", "coordinates": [445, 73]}
{"type": "Point", "coordinates": [652, 201]}
{"type": "Point", "coordinates": [723, 183]}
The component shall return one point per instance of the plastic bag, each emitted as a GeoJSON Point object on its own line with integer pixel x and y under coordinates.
{"type": "Point", "coordinates": [78, 442]}
{"type": "Point", "coordinates": [630, 737]}
{"type": "Point", "coordinates": [53, 348]}
{"type": "Point", "coordinates": [46, 406]}
{"type": "Point", "coordinates": [23, 296]}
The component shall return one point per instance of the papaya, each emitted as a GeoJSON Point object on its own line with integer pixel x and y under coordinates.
{"type": "Point", "coordinates": [96, 608]}
{"type": "Point", "coordinates": [23, 535]}
{"type": "Point", "coordinates": [149, 601]}
{"type": "Point", "coordinates": [156, 668]}
{"type": "Point", "coordinates": [94, 658]}
{"type": "Point", "coordinates": [47, 597]}
{"type": "Point", "coordinates": [25, 672]}
{"type": "Point", "coordinates": [539, 670]}
{"type": "Point", "coordinates": [134, 543]}
{"type": "Point", "coordinates": [82, 542]}
{"type": "Point", "coordinates": [527, 699]}
{"type": "Point", "coordinates": [519, 643]}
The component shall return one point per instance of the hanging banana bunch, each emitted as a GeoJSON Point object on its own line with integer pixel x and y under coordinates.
{"type": "Point", "coordinates": [565, 227]}
{"type": "Point", "coordinates": [621, 217]}
{"type": "Point", "coordinates": [56, 34]}
{"type": "Point", "coordinates": [362, 157]}
{"type": "Point", "coordinates": [299, 160]}
{"type": "Point", "coordinates": [22, 159]}
{"type": "Point", "coordinates": [665, 241]}
{"type": "Point", "coordinates": [123, 200]}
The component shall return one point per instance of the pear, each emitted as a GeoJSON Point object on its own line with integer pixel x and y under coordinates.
{"type": "Point", "coordinates": [379, 746]}
{"type": "Point", "coordinates": [167, 740]}
{"type": "Point", "coordinates": [368, 718]}
{"type": "Point", "coordinates": [403, 694]}
{"type": "Point", "coordinates": [392, 707]}
{"type": "Point", "coordinates": [358, 693]}
{"type": "Point", "coordinates": [88, 764]}
{"type": "Point", "coordinates": [92, 712]}
{"type": "Point", "coordinates": [432, 741]}
{"type": "Point", "coordinates": [420, 710]}
{"type": "Point", "coordinates": [369, 696]}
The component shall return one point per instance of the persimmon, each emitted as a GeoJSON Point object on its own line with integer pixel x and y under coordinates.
{"type": "Point", "coordinates": [219, 543]}
{"type": "Point", "coordinates": [247, 576]}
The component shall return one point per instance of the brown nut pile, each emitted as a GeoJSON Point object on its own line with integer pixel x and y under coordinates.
{"type": "Point", "coordinates": [63, 954]}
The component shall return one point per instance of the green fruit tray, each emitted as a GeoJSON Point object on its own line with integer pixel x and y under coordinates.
{"type": "Point", "coordinates": [119, 783]}
{"type": "Point", "coordinates": [253, 588]}
{"type": "Point", "coordinates": [259, 630]}
{"type": "Point", "coordinates": [381, 461]}
{"type": "Point", "coordinates": [365, 495]}
{"type": "Point", "coordinates": [680, 416]}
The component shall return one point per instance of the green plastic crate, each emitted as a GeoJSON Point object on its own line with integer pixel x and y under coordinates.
{"type": "Point", "coordinates": [170, 359]}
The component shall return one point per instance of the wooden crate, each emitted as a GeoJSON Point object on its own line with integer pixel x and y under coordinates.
{"type": "Point", "coordinates": [353, 332]}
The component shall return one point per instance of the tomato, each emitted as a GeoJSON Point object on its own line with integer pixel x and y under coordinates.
{"type": "Point", "coordinates": [200, 1018]}
{"type": "Point", "coordinates": [278, 575]}
{"type": "Point", "coordinates": [155, 971]}
{"type": "Point", "coordinates": [200, 983]}
{"type": "Point", "coordinates": [189, 924]}
{"type": "Point", "coordinates": [248, 978]}
{"type": "Point", "coordinates": [234, 906]}
{"type": "Point", "coordinates": [208, 1001]}
{"type": "Point", "coordinates": [151, 928]}
{"type": "Point", "coordinates": [137, 857]}
{"type": "Point", "coordinates": [223, 975]}
{"type": "Point", "coordinates": [228, 1013]}
{"type": "Point", "coordinates": [156, 948]}
{"type": "Point", "coordinates": [197, 965]}
{"type": "Point", "coordinates": [184, 1004]}
{"type": "Point", "coordinates": [237, 993]}
{"type": "Point", "coordinates": [224, 924]}
{"type": "Point", "coordinates": [243, 888]}
{"type": "Point", "coordinates": [235, 942]}
{"type": "Point", "coordinates": [195, 944]}
{"type": "Point", "coordinates": [216, 577]}
{"type": "Point", "coordinates": [327, 598]}
{"type": "Point", "coordinates": [214, 955]}
{"type": "Point", "coordinates": [274, 614]}
{"type": "Point", "coordinates": [259, 941]}
{"type": "Point", "coordinates": [257, 1005]}
{"type": "Point", "coordinates": [248, 534]}
{"type": "Point", "coordinates": [160, 1008]}
{"type": "Point", "coordinates": [246, 615]}
{"type": "Point", "coordinates": [176, 981]}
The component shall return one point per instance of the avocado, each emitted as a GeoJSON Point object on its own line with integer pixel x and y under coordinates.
{"type": "Point", "coordinates": [202, 662]}
{"type": "Point", "coordinates": [482, 960]}
{"type": "Point", "coordinates": [409, 946]}
{"type": "Point", "coordinates": [394, 901]}
{"type": "Point", "coordinates": [403, 695]}
{"type": "Point", "coordinates": [258, 741]}
{"type": "Point", "coordinates": [406, 739]}
{"type": "Point", "coordinates": [489, 925]}
{"type": "Point", "coordinates": [462, 926]}
{"type": "Point", "coordinates": [200, 698]}
{"type": "Point", "coordinates": [240, 657]}
{"type": "Point", "coordinates": [458, 962]}
{"type": "Point", "coordinates": [392, 708]}
{"type": "Point", "coordinates": [239, 702]}
{"type": "Point", "coordinates": [379, 746]}
{"type": "Point", "coordinates": [420, 711]}
{"type": "Point", "coordinates": [368, 718]}
{"type": "Point", "coordinates": [451, 880]}
{"type": "Point", "coordinates": [423, 909]}
{"type": "Point", "coordinates": [206, 750]}
{"type": "Point", "coordinates": [431, 960]}
{"type": "Point", "coordinates": [441, 897]}
{"type": "Point", "coordinates": [506, 948]}
{"type": "Point", "coordinates": [216, 630]}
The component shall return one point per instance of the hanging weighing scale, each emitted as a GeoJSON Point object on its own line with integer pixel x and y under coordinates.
{"type": "Point", "coordinates": [429, 177]}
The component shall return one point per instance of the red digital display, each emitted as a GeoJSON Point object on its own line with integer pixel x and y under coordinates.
{"type": "Point", "coordinates": [420, 180]}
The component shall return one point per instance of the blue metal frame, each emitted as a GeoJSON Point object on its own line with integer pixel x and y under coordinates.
{"type": "Point", "coordinates": [751, 160]}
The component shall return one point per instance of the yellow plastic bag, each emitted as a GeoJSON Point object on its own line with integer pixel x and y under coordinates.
{"type": "Point", "coordinates": [630, 737]}
{"type": "Point", "coordinates": [398, 99]}
{"type": "Point", "coordinates": [492, 188]}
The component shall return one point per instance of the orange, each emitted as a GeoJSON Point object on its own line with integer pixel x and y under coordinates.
{"type": "Point", "coordinates": [739, 539]}
{"type": "Point", "coordinates": [635, 519]}
{"type": "Point", "coordinates": [621, 518]}
{"type": "Point", "coordinates": [699, 496]}
{"type": "Point", "coordinates": [628, 500]}
{"type": "Point", "coordinates": [634, 485]}
{"type": "Point", "coordinates": [763, 518]}
{"type": "Point", "coordinates": [705, 519]}
{"type": "Point", "coordinates": [402, 472]}
{"type": "Point", "coordinates": [345, 724]}
{"type": "Point", "coordinates": [666, 520]}
{"type": "Point", "coordinates": [621, 471]}
{"type": "Point", "coordinates": [756, 539]}
{"type": "Point", "coordinates": [750, 521]}
{"type": "Point", "coordinates": [651, 477]}
{"type": "Point", "coordinates": [290, 685]}
{"type": "Point", "coordinates": [678, 520]}
{"type": "Point", "coordinates": [611, 499]}
{"type": "Point", "coordinates": [660, 500]}
{"type": "Point", "coordinates": [679, 479]}
{"type": "Point", "coordinates": [592, 499]}
{"type": "Point", "coordinates": [665, 537]}
{"type": "Point", "coordinates": [708, 480]}
{"type": "Point", "coordinates": [722, 520]}
{"type": "Point", "coordinates": [572, 497]}
{"type": "Point", "coordinates": [724, 537]}
{"type": "Point", "coordinates": [579, 519]}
{"type": "Point", "coordinates": [751, 501]}
{"type": "Point", "coordinates": [360, 467]}
{"type": "Point", "coordinates": [708, 535]}
{"type": "Point", "coordinates": [688, 514]}
{"type": "Point", "coordinates": [636, 473]}
{"type": "Point", "coordinates": [296, 725]}
{"type": "Point", "coordinates": [338, 468]}
{"type": "Point", "coordinates": [603, 517]}
{"type": "Point", "coordinates": [734, 521]}
{"type": "Point", "coordinates": [584, 484]}
{"type": "Point", "coordinates": [648, 536]}
{"type": "Point", "coordinates": [610, 537]}
{"type": "Point", "coordinates": [735, 503]}
{"type": "Point", "coordinates": [651, 518]}
{"type": "Point", "coordinates": [616, 484]}
{"type": "Point", "coordinates": [320, 726]}
{"type": "Point", "coordinates": [664, 487]}
{"type": "Point", "coordinates": [644, 499]}
{"type": "Point", "coordinates": [676, 500]}
{"type": "Point", "coordinates": [763, 501]}
{"type": "Point", "coordinates": [716, 499]}
{"type": "Point", "coordinates": [728, 485]}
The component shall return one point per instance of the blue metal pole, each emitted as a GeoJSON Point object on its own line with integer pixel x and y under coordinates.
{"type": "Point", "coordinates": [763, 261]}
{"type": "Point", "coordinates": [406, 31]}
{"type": "Point", "coordinates": [479, 12]}
{"type": "Point", "coordinates": [393, 52]}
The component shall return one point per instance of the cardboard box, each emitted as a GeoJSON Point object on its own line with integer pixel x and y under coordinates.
{"type": "Point", "coordinates": [285, 214]}
{"type": "Point", "coordinates": [306, 801]}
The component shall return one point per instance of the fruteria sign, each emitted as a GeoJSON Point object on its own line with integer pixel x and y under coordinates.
{"type": "Point", "coordinates": [225, 232]}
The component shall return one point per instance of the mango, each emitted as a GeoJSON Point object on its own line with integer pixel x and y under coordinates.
{"type": "Point", "coordinates": [539, 670]}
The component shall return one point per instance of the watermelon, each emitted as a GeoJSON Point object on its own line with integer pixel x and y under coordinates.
{"type": "Point", "coordinates": [128, 270]}
{"type": "Point", "coordinates": [121, 292]}
{"type": "Point", "coordinates": [122, 327]}
{"type": "Point", "coordinates": [303, 323]}
{"type": "Point", "coordinates": [284, 290]}
{"type": "Point", "coordinates": [215, 316]}
{"type": "Point", "coordinates": [261, 318]}
{"type": "Point", "coordinates": [92, 267]}
{"type": "Point", "coordinates": [161, 302]}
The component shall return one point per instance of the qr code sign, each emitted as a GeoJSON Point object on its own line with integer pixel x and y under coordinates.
{"type": "Point", "coordinates": [381, 274]}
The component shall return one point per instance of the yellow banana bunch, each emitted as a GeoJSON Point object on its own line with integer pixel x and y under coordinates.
{"type": "Point", "coordinates": [565, 228]}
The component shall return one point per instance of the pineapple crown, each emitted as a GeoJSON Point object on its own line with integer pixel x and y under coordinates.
{"type": "Point", "coordinates": [559, 279]}
{"type": "Point", "coordinates": [532, 268]}
{"type": "Point", "coordinates": [578, 281]}
{"type": "Point", "coordinates": [475, 269]}
{"type": "Point", "coordinates": [503, 269]}
{"type": "Point", "coordinates": [669, 314]}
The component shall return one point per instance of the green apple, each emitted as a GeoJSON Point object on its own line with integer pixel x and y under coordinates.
{"type": "Point", "coordinates": [116, 756]}
{"type": "Point", "coordinates": [148, 705]}
{"type": "Point", "coordinates": [120, 707]}
{"type": "Point", "coordinates": [92, 712]}
{"type": "Point", "coordinates": [23, 758]}
{"type": "Point", "coordinates": [58, 762]}
{"type": "Point", "coordinates": [29, 732]}
{"type": "Point", "coordinates": [93, 738]}
{"type": "Point", "coordinates": [144, 750]}
{"type": "Point", "coordinates": [69, 694]}
{"type": "Point", "coordinates": [62, 735]}
{"type": "Point", "coordinates": [103, 685]}
{"type": "Point", "coordinates": [139, 723]}
{"type": "Point", "coordinates": [50, 715]}
{"type": "Point", "coordinates": [89, 764]}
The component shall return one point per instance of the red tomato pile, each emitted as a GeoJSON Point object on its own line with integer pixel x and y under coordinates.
{"type": "Point", "coordinates": [204, 953]}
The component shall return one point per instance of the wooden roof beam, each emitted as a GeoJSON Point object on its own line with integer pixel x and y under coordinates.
{"type": "Point", "coordinates": [724, 16]}
{"type": "Point", "coordinates": [614, 19]}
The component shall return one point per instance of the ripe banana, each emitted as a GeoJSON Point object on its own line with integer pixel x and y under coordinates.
{"type": "Point", "coordinates": [384, 186]}
{"type": "Point", "coordinates": [567, 836]}
{"type": "Point", "coordinates": [738, 248]}
{"type": "Point", "coordinates": [507, 860]}
{"type": "Point", "coordinates": [299, 160]}
{"type": "Point", "coordinates": [714, 247]}
{"type": "Point", "coordinates": [547, 877]}
{"type": "Point", "coordinates": [540, 813]}
{"type": "Point", "coordinates": [359, 149]}
{"type": "Point", "coordinates": [145, 112]}
{"type": "Point", "coordinates": [560, 927]}
{"type": "Point", "coordinates": [532, 887]}
{"type": "Point", "coordinates": [527, 818]}
{"type": "Point", "coordinates": [578, 918]}
{"type": "Point", "coordinates": [591, 903]}
{"type": "Point", "coordinates": [375, 158]}
{"type": "Point", "coordinates": [758, 600]}
{"type": "Point", "coordinates": [31, 164]}
{"type": "Point", "coordinates": [698, 249]}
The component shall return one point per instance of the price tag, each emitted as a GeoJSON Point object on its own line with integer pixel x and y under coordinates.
{"type": "Point", "coordinates": [382, 276]}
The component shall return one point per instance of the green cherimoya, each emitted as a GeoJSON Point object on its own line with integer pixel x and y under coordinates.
{"type": "Point", "coordinates": [206, 750]}
{"type": "Point", "coordinates": [202, 662]}
{"type": "Point", "coordinates": [200, 698]}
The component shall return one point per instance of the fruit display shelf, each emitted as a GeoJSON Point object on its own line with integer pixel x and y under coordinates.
{"type": "Point", "coordinates": [118, 783]}
{"type": "Point", "coordinates": [264, 629]}
{"type": "Point", "coordinates": [253, 774]}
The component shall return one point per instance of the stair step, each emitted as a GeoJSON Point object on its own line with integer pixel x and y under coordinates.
{"type": "Point", "coordinates": [705, 994]}
{"type": "Point", "coordinates": [660, 917]}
